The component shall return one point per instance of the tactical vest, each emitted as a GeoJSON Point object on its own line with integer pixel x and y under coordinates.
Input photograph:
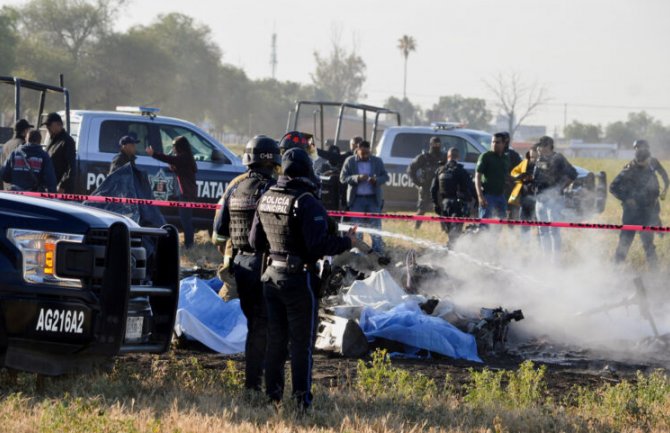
{"type": "Point", "coordinates": [242, 206]}
{"type": "Point", "coordinates": [277, 214]}
{"type": "Point", "coordinates": [447, 182]}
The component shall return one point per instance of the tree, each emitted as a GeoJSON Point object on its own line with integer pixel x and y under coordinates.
{"type": "Point", "coordinates": [340, 76]}
{"type": "Point", "coordinates": [516, 100]}
{"type": "Point", "coordinates": [456, 108]}
{"type": "Point", "coordinates": [8, 39]}
{"type": "Point", "coordinates": [406, 45]}
{"type": "Point", "coordinates": [410, 114]}
{"type": "Point", "coordinates": [640, 126]}
{"type": "Point", "coordinates": [70, 24]}
{"type": "Point", "coordinates": [583, 131]}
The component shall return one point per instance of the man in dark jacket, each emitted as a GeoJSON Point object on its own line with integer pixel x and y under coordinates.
{"type": "Point", "coordinates": [29, 167]}
{"type": "Point", "coordinates": [451, 191]}
{"type": "Point", "coordinates": [21, 130]}
{"type": "Point", "coordinates": [551, 175]}
{"type": "Point", "coordinates": [422, 172]}
{"type": "Point", "coordinates": [291, 226]}
{"type": "Point", "coordinates": [63, 152]}
{"type": "Point", "coordinates": [127, 153]}
{"type": "Point", "coordinates": [261, 156]}
{"type": "Point", "coordinates": [638, 190]}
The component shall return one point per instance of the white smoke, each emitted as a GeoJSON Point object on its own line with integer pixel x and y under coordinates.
{"type": "Point", "coordinates": [560, 300]}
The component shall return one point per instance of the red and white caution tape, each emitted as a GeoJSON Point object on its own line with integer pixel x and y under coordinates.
{"type": "Point", "coordinates": [347, 214]}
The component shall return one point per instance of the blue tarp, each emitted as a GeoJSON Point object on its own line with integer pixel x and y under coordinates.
{"type": "Point", "coordinates": [407, 324]}
{"type": "Point", "coordinates": [203, 316]}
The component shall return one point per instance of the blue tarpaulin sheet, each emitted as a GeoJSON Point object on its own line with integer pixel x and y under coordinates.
{"type": "Point", "coordinates": [407, 324]}
{"type": "Point", "coordinates": [203, 316]}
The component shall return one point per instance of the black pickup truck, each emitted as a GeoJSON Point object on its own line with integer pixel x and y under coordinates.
{"type": "Point", "coordinates": [80, 285]}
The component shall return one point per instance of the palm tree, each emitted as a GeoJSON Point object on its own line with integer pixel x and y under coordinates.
{"type": "Point", "coordinates": [406, 45]}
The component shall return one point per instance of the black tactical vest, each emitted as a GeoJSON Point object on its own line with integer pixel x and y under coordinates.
{"type": "Point", "coordinates": [277, 214]}
{"type": "Point", "coordinates": [242, 206]}
{"type": "Point", "coordinates": [447, 181]}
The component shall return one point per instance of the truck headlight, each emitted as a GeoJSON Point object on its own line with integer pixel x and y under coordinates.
{"type": "Point", "coordinates": [38, 250]}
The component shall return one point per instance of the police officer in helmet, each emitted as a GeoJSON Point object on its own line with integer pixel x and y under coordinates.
{"type": "Point", "coordinates": [451, 191]}
{"type": "Point", "coordinates": [291, 227]}
{"type": "Point", "coordinates": [261, 156]}
{"type": "Point", "coordinates": [638, 190]}
{"type": "Point", "coordinates": [422, 171]}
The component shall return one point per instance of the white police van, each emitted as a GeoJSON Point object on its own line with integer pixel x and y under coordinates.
{"type": "Point", "coordinates": [97, 135]}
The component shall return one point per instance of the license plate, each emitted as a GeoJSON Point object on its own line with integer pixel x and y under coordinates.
{"type": "Point", "coordinates": [134, 328]}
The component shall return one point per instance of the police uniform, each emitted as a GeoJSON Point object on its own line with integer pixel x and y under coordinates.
{"type": "Point", "coordinates": [638, 189]}
{"type": "Point", "coordinates": [451, 191]}
{"type": "Point", "coordinates": [291, 225]}
{"type": "Point", "coordinates": [422, 171]}
{"type": "Point", "coordinates": [234, 224]}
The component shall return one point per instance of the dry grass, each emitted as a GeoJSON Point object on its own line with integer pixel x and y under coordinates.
{"type": "Point", "coordinates": [182, 395]}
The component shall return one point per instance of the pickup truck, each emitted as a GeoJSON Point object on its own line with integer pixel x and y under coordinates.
{"type": "Point", "coordinates": [78, 286]}
{"type": "Point", "coordinates": [97, 133]}
{"type": "Point", "coordinates": [399, 145]}
{"type": "Point", "coordinates": [333, 123]}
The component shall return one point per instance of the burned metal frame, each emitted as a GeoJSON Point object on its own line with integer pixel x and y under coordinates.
{"type": "Point", "coordinates": [343, 106]}
{"type": "Point", "coordinates": [44, 89]}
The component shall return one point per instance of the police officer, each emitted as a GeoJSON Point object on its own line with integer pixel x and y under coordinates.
{"type": "Point", "coordinates": [452, 190]}
{"type": "Point", "coordinates": [655, 166]}
{"type": "Point", "coordinates": [291, 226]}
{"type": "Point", "coordinates": [637, 188]}
{"type": "Point", "coordinates": [261, 156]}
{"type": "Point", "coordinates": [422, 171]}
{"type": "Point", "coordinates": [551, 175]}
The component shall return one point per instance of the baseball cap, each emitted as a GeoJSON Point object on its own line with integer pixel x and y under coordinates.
{"type": "Point", "coordinates": [51, 118]}
{"type": "Point", "coordinates": [128, 139]}
{"type": "Point", "coordinates": [22, 125]}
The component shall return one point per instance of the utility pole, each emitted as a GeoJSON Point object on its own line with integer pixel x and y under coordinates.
{"type": "Point", "coordinates": [273, 54]}
{"type": "Point", "coordinates": [565, 117]}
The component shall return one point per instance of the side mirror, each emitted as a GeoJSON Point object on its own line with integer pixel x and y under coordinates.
{"type": "Point", "coordinates": [219, 157]}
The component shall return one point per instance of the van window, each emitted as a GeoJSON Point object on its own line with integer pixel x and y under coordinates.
{"type": "Point", "coordinates": [201, 148]}
{"type": "Point", "coordinates": [111, 132]}
{"type": "Point", "coordinates": [409, 145]}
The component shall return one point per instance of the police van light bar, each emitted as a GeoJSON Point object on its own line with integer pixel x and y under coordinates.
{"type": "Point", "coordinates": [447, 125]}
{"type": "Point", "coordinates": [144, 111]}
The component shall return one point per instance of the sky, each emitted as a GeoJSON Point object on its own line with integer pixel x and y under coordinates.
{"type": "Point", "coordinates": [603, 58]}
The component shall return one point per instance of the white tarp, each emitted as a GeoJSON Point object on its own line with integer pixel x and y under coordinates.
{"type": "Point", "coordinates": [203, 316]}
{"type": "Point", "coordinates": [379, 291]}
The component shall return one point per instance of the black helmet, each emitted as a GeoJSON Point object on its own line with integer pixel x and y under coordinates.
{"type": "Point", "coordinates": [261, 149]}
{"type": "Point", "coordinates": [293, 139]}
{"type": "Point", "coordinates": [296, 163]}
{"type": "Point", "coordinates": [640, 144]}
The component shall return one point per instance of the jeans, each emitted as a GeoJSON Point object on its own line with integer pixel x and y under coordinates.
{"type": "Point", "coordinates": [369, 204]}
{"type": "Point", "coordinates": [292, 321]}
{"type": "Point", "coordinates": [548, 208]}
{"type": "Point", "coordinates": [496, 206]}
{"type": "Point", "coordinates": [247, 271]}
{"type": "Point", "coordinates": [186, 216]}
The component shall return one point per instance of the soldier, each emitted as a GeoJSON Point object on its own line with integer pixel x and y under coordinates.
{"type": "Point", "coordinates": [422, 171]}
{"type": "Point", "coordinates": [551, 175]}
{"type": "Point", "coordinates": [291, 226]}
{"type": "Point", "coordinates": [655, 166]}
{"type": "Point", "coordinates": [452, 190]}
{"type": "Point", "coordinates": [638, 189]}
{"type": "Point", "coordinates": [261, 156]}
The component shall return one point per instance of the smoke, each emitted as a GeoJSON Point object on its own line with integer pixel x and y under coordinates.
{"type": "Point", "coordinates": [566, 301]}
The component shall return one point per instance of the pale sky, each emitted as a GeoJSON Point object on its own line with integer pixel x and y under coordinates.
{"type": "Point", "coordinates": [587, 52]}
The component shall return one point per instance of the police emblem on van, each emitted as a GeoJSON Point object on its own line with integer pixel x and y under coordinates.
{"type": "Point", "coordinates": [162, 185]}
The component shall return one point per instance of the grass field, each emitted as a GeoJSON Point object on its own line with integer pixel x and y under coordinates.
{"type": "Point", "coordinates": [184, 395]}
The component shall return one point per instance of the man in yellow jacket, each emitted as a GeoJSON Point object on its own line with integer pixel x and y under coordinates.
{"type": "Point", "coordinates": [522, 194]}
